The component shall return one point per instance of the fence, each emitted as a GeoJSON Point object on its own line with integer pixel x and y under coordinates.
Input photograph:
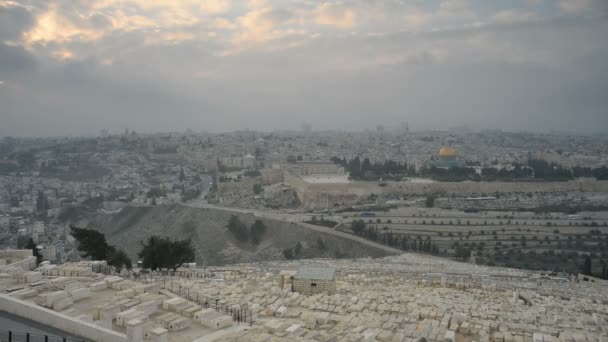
{"type": "Point", "coordinates": [19, 336]}
{"type": "Point", "coordinates": [238, 315]}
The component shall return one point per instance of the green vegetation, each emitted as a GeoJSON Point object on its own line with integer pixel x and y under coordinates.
{"type": "Point", "coordinates": [243, 234]}
{"type": "Point", "coordinates": [35, 251]}
{"type": "Point", "coordinates": [587, 266]}
{"type": "Point", "coordinates": [538, 169]}
{"type": "Point", "coordinates": [257, 230]}
{"type": "Point", "coordinates": [92, 244]}
{"type": "Point", "coordinates": [358, 227]}
{"type": "Point", "coordinates": [462, 253]}
{"type": "Point", "coordinates": [294, 252]}
{"type": "Point", "coordinates": [162, 252]}
{"type": "Point", "coordinates": [322, 222]}
{"type": "Point", "coordinates": [119, 259]}
{"type": "Point", "coordinates": [365, 170]}
{"type": "Point", "coordinates": [430, 201]}
{"type": "Point", "coordinates": [321, 244]}
{"type": "Point", "coordinates": [526, 244]}
{"type": "Point", "coordinates": [238, 229]}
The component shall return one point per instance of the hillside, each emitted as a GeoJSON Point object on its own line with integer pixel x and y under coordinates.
{"type": "Point", "coordinates": [214, 244]}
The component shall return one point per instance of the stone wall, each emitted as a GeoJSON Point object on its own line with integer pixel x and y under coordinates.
{"type": "Point", "coordinates": [18, 258]}
{"type": "Point", "coordinates": [267, 177]}
{"type": "Point", "coordinates": [58, 321]}
{"type": "Point", "coordinates": [15, 254]}
{"type": "Point", "coordinates": [319, 195]}
{"type": "Point", "coordinates": [305, 286]}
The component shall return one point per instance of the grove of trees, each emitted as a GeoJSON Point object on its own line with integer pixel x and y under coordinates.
{"type": "Point", "coordinates": [538, 169]}
{"type": "Point", "coordinates": [92, 244]}
{"type": "Point", "coordinates": [243, 233]}
{"type": "Point", "coordinates": [164, 253]}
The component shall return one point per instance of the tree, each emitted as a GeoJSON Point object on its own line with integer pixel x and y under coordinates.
{"type": "Point", "coordinates": [42, 202]}
{"type": "Point", "coordinates": [91, 243]}
{"type": "Point", "coordinates": [35, 251]}
{"type": "Point", "coordinates": [257, 189]}
{"type": "Point", "coordinates": [288, 254]}
{"type": "Point", "coordinates": [297, 249]}
{"type": "Point", "coordinates": [119, 259]}
{"type": "Point", "coordinates": [462, 253]}
{"type": "Point", "coordinates": [430, 201]}
{"type": "Point", "coordinates": [258, 228]}
{"type": "Point", "coordinates": [587, 266]}
{"type": "Point", "coordinates": [162, 252]}
{"type": "Point", "coordinates": [321, 244]}
{"type": "Point", "coordinates": [23, 241]}
{"type": "Point", "coordinates": [358, 226]}
{"type": "Point", "coordinates": [237, 228]}
{"type": "Point", "coordinates": [182, 175]}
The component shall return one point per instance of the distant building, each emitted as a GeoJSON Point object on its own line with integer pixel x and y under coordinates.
{"type": "Point", "coordinates": [38, 227]}
{"type": "Point", "coordinates": [49, 252]}
{"type": "Point", "coordinates": [447, 159]}
{"type": "Point", "coordinates": [312, 168]}
{"type": "Point", "coordinates": [238, 161]}
{"type": "Point", "coordinates": [313, 280]}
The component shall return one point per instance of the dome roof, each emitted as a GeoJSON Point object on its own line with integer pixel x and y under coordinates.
{"type": "Point", "coordinates": [447, 152]}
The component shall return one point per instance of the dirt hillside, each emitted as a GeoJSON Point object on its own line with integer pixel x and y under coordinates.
{"type": "Point", "coordinates": [214, 244]}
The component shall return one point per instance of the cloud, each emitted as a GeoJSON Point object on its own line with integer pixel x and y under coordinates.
{"type": "Point", "coordinates": [78, 66]}
{"type": "Point", "coordinates": [256, 26]}
{"type": "Point", "coordinates": [14, 19]}
{"type": "Point", "coordinates": [513, 16]}
{"type": "Point", "coordinates": [335, 14]}
{"type": "Point", "coordinates": [575, 5]}
{"type": "Point", "coordinates": [63, 54]}
{"type": "Point", "coordinates": [52, 26]}
{"type": "Point", "coordinates": [259, 26]}
{"type": "Point", "coordinates": [215, 6]}
{"type": "Point", "coordinates": [256, 4]}
{"type": "Point", "coordinates": [14, 59]}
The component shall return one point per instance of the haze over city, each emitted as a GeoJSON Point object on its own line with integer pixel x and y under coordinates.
{"type": "Point", "coordinates": [304, 170]}
{"type": "Point", "coordinates": [76, 67]}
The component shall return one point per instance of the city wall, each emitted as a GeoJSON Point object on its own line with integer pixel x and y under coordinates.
{"type": "Point", "coordinates": [318, 195]}
{"type": "Point", "coordinates": [59, 321]}
{"type": "Point", "coordinates": [267, 177]}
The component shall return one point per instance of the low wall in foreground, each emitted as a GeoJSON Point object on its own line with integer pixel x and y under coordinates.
{"type": "Point", "coordinates": [58, 321]}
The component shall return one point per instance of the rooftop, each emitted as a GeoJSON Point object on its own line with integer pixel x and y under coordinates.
{"type": "Point", "coordinates": [316, 273]}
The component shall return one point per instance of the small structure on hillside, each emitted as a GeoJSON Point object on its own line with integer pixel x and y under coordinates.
{"type": "Point", "coordinates": [312, 280]}
{"type": "Point", "coordinates": [286, 279]}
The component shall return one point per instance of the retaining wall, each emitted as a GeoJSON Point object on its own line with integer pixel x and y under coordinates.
{"type": "Point", "coordinates": [58, 321]}
{"type": "Point", "coordinates": [318, 195]}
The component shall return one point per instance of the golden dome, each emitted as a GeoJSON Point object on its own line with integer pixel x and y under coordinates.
{"type": "Point", "coordinates": [447, 152]}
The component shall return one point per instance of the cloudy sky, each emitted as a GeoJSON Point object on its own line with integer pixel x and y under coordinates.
{"type": "Point", "coordinates": [78, 66]}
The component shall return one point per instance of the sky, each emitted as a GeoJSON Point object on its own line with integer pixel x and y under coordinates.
{"type": "Point", "coordinates": [75, 67]}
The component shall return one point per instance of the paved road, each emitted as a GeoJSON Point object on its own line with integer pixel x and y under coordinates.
{"type": "Point", "coordinates": [299, 220]}
{"type": "Point", "coordinates": [19, 326]}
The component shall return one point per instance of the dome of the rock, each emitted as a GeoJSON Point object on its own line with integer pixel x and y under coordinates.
{"type": "Point", "coordinates": [447, 152]}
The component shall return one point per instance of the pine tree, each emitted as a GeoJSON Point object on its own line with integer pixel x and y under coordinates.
{"type": "Point", "coordinates": [587, 267]}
